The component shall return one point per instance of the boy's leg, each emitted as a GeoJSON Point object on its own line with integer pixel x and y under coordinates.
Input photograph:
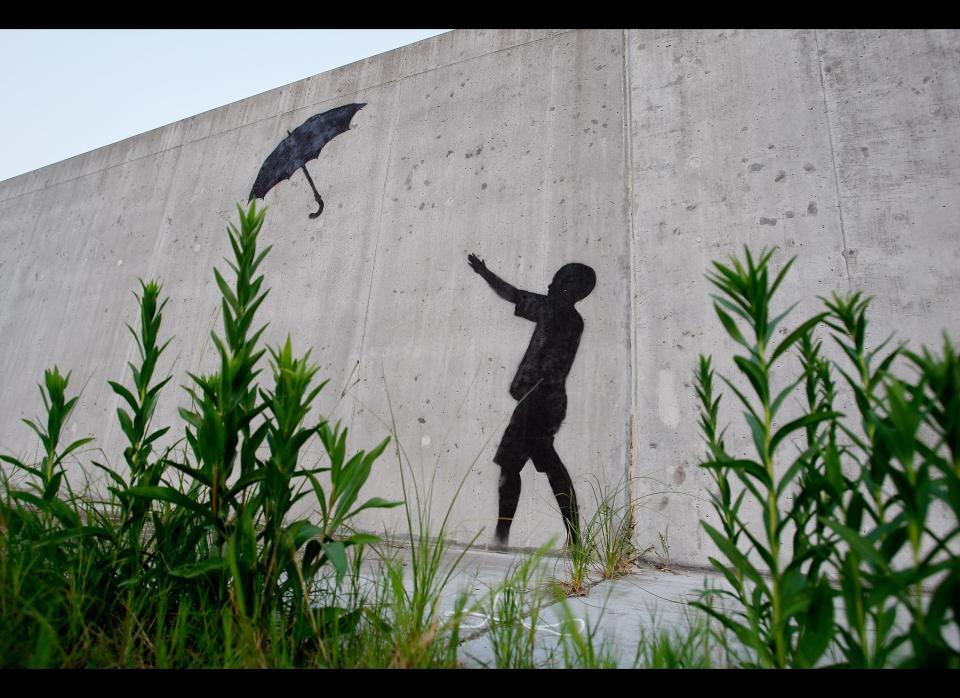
{"type": "Point", "coordinates": [509, 490]}
{"type": "Point", "coordinates": [546, 460]}
{"type": "Point", "coordinates": [511, 456]}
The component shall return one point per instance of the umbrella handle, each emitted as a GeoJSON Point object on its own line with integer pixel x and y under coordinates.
{"type": "Point", "coordinates": [316, 194]}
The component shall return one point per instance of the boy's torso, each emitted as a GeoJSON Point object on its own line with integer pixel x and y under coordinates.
{"type": "Point", "coordinates": [552, 347]}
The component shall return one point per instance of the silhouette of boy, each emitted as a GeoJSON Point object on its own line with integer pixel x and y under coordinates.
{"type": "Point", "coordinates": [539, 386]}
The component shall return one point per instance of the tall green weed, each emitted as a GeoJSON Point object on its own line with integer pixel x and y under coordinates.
{"type": "Point", "coordinates": [846, 501]}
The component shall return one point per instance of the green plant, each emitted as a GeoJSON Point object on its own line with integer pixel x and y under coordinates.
{"type": "Point", "coordinates": [198, 558]}
{"type": "Point", "coordinates": [787, 614]}
{"type": "Point", "coordinates": [578, 561]}
{"type": "Point", "coordinates": [403, 626]}
{"type": "Point", "coordinates": [513, 613]}
{"type": "Point", "coordinates": [856, 499]}
{"type": "Point", "coordinates": [580, 643]}
{"type": "Point", "coordinates": [691, 647]}
{"type": "Point", "coordinates": [905, 455]}
{"type": "Point", "coordinates": [612, 530]}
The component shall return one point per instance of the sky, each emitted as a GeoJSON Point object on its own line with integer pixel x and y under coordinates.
{"type": "Point", "coordinates": [69, 91]}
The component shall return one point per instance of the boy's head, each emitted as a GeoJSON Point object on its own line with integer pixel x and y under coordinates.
{"type": "Point", "coordinates": [572, 281]}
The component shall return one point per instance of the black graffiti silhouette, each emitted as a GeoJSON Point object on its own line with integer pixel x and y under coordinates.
{"type": "Point", "coordinates": [300, 146]}
{"type": "Point", "coordinates": [540, 387]}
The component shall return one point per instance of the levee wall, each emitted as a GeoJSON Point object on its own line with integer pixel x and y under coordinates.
{"type": "Point", "coordinates": [643, 154]}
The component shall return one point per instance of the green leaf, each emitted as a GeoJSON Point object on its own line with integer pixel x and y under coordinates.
{"type": "Point", "coordinates": [111, 473]}
{"type": "Point", "coordinates": [792, 338]}
{"type": "Point", "coordinates": [806, 420]}
{"type": "Point", "coordinates": [198, 569]}
{"type": "Point", "coordinates": [125, 394]}
{"type": "Point", "coordinates": [775, 407]}
{"type": "Point", "coordinates": [772, 325]}
{"type": "Point", "coordinates": [362, 539]}
{"type": "Point", "coordinates": [755, 375]}
{"type": "Point", "coordinates": [302, 531]}
{"type": "Point", "coordinates": [375, 503]}
{"type": "Point", "coordinates": [730, 326]}
{"type": "Point", "coordinates": [337, 556]}
{"type": "Point", "coordinates": [246, 481]}
{"type": "Point", "coordinates": [817, 626]}
{"type": "Point", "coordinates": [168, 494]}
{"type": "Point", "coordinates": [858, 543]}
{"type": "Point", "coordinates": [733, 555]}
{"type": "Point", "coordinates": [759, 435]}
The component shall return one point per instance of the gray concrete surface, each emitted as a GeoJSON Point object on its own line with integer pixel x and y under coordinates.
{"type": "Point", "coordinates": [620, 614]}
{"type": "Point", "coordinates": [621, 619]}
{"type": "Point", "coordinates": [644, 153]}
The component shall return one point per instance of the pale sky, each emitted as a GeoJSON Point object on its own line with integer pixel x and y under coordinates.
{"type": "Point", "coordinates": [68, 91]}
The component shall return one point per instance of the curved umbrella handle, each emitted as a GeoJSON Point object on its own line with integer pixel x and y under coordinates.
{"type": "Point", "coordinates": [316, 194]}
{"type": "Point", "coordinates": [319, 210]}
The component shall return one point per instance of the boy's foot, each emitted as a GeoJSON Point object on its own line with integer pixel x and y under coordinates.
{"type": "Point", "coordinates": [499, 543]}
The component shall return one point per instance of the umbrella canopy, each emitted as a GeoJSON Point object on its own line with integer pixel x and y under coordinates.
{"type": "Point", "coordinates": [302, 145]}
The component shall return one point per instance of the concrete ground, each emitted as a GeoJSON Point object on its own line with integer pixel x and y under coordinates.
{"type": "Point", "coordinates": [620, 616]}
{"type": "Point", "coordinates": [617, 613]}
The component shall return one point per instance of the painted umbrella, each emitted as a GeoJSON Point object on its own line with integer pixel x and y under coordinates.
{"type": "Point", "coordinates": [300, 146]}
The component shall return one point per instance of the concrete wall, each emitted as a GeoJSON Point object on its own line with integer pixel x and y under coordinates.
{"type": "Point", "coordinates": [838, 147]}
{"type": "Point", "coordinates": [645, 154]}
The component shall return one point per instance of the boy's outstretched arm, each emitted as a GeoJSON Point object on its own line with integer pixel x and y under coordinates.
{"type": "Point", "coordinates": [501, 287]}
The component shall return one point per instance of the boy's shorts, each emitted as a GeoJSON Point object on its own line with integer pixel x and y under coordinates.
{"type": "Point", "coordinates": [531, 429]}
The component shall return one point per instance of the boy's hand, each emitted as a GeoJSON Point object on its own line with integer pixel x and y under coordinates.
{"type": "Point", "coordinates": [477, 264]}
{"type": "Point", "coordinates": [499, 286]}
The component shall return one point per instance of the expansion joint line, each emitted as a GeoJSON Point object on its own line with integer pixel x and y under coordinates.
{"type": "Point", "coordinates": [631, 470]}
{"type": "Point", "coordinates": [833, 161]}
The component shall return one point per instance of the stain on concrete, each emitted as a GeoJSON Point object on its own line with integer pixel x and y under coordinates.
{"type": "Point", "coordinates": [680, 474]}
{"type": "Point", "coordinates": [756, 167]}
{"type": "Point", "coordinates": [812, 208]}
{"type": "Point", "coordinates": [781, 175]}
{"type": "Point", "coordinates": [809, 167]}
{"type": "Point", "coordinates": [850, 255]}
{"type": "Point", "coordinates": [768, 221]}
{"type": "Point", "coordinates": [789, 214]}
